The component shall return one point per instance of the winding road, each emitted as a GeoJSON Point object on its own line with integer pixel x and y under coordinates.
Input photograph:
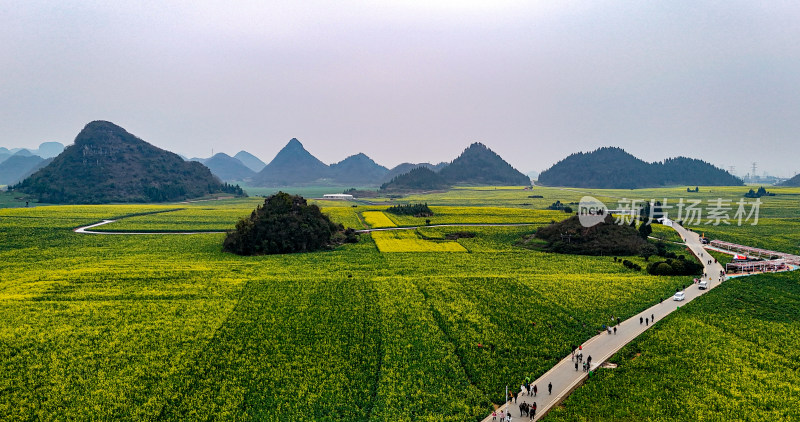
{"type": "Point", "coordinates": [88, 229]}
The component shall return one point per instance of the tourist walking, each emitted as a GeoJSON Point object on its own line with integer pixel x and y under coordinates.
{"type": "Point", "coordinates": [550, 388]}
{"type": "Point", "coordinates": [653, 317]}
{"type": "Point", "coordinates": [576, 366]}
{"type": "Point", "coordinates": [641, 320]}
{"type": "Point", "coordinates": [615, 330]}
{"type": "Point", "coordinates": [535, 389]}
{"type": "Point", "coordinates": [532, 412]}
{"type": "Point", "coordinates": [646, 322]}
{"type": "Point", "coordinates": [494, 416]}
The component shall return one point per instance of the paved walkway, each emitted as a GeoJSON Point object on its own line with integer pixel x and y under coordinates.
{"type": "Point", "coordinates": [563, 375]}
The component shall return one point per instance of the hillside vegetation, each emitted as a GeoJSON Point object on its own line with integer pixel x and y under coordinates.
{"type": "Point", "coordinates": [605, 238]}
{"type": "Point", "coordinates": [613, 168]}
{"type": "Point", "coordinates": [479, 165]}
{"type": "Point", "coordinates": [418, 179]}
{"type": "Point", "coordinates": [108, 164]}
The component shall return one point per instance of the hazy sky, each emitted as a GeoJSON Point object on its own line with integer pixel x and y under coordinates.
{"type": "Point", "coordinates": [412, 80]}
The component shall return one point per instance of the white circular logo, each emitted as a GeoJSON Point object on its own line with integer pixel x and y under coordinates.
{"type": "Point", "coordinates": [591, 211]}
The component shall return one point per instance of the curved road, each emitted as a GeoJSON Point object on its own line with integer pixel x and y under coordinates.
{"type": "Point", "coordinates": [563, 375]}
{"type": "Point", "coordinates": [87, 229]}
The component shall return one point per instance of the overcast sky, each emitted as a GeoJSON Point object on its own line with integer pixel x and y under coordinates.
{"type": "Point", "coordinates": [412, 80]}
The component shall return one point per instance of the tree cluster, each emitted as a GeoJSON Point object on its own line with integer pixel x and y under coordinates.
{"type": "Point", "coordinates": [679, 267]}
{"type": "Point", "coordinates": [605, 238]}
{"type": "Point", "coordinates": [285, 224]}
{"type": "Point", "coordinates": [417, 210]}
{"type": "Point", "coordinates": [758, 194]}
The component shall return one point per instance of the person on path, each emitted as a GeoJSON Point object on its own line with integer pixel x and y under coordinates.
{"type": "Point", "coordinates": [584, 366]}
{"type": "Point", "coordinates": [533, 410]}
{"type": "Point", "coordinates": [502, 415]}
{"type": "Point", "coordinates": [535, 389]}
{"type": "Point", "coordinates": [641, 320]}
{"type": "Point", "coordinates": [576, 366]}
{"type": "Point", "coordinates": [508, 417]}
{"type": "Point", "coordinates": [615, 330]}
{"type": "Point", "coordinates": [494, 416]}
{"type": "Point", "coordinates": [550, 388]}
{"type": "Point", "coordinates": [589, 360]}
{"type": "Point", "coordinates": [653, 317]}
{"type": "Point", "coordinates": [646, 322]}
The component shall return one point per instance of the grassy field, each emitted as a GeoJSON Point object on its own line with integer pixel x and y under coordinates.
{"type": "Point", "coordinates": [171, 328]}
{"type": "Point", "coordinates": [165, 327]}
{"type": "Point", "coordinates": [730, 355]}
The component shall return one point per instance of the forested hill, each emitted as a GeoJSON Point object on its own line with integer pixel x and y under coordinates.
{"type": "Point", "coordinates": [478, 165]}
{"type": "Point", "coordinates": [794, 181]}
{"type": "Point", "coordinates": [613, 168]}
{"type": "Point", "coordinates": [108, 164]}
{"type": "Point", "coordinates": [418, 179]}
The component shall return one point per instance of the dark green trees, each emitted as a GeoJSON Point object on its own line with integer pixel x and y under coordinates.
{"type": "Point", "coordinates": [285, 224]}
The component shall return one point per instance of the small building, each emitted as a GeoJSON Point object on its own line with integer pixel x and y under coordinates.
{"type": "Point", "coordinates": [338, 196]}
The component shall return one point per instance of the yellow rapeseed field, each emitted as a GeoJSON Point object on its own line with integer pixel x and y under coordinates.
{"type": "Point", "coordinates": [409, 241]}
{"type": "Point", "coordinates": [377, 219]}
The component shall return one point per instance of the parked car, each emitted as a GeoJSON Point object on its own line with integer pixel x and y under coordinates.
{"type": "Point", "coordinates": [679, 296]}
{"type": "Point", "coordinates": [702, 285]}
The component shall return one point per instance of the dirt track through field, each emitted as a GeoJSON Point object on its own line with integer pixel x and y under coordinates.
{"type": "Point", "coordinates": [87, 229]}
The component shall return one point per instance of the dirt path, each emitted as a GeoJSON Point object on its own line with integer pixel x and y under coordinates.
{"type": "Point", "coordinates": [563, 375]}
{"type": "Point", "coordinates": [86, 230]}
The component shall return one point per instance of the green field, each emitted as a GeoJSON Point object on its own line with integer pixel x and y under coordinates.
{"type": "Point", "coordinates": [167, 327]}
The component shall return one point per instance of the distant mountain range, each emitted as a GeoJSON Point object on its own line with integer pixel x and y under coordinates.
{"type": "Point", "coordinates": [228, 168]}
{"type": "Point", "coordinates": [251, 161]}
{"type": "Point", "coordinates": [18, 163]}
{"type": "Point", "coordinates": [613, 168]}
{"type": "Point", "coordinates": [46, 150]}
{"type": "Point", "coordinates": [19, 166]}
{"type": "Point", "coordinates": [108, 164]}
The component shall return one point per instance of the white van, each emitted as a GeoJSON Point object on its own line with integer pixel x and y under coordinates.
{"type": "Point", "coordinates": [679, 296]}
